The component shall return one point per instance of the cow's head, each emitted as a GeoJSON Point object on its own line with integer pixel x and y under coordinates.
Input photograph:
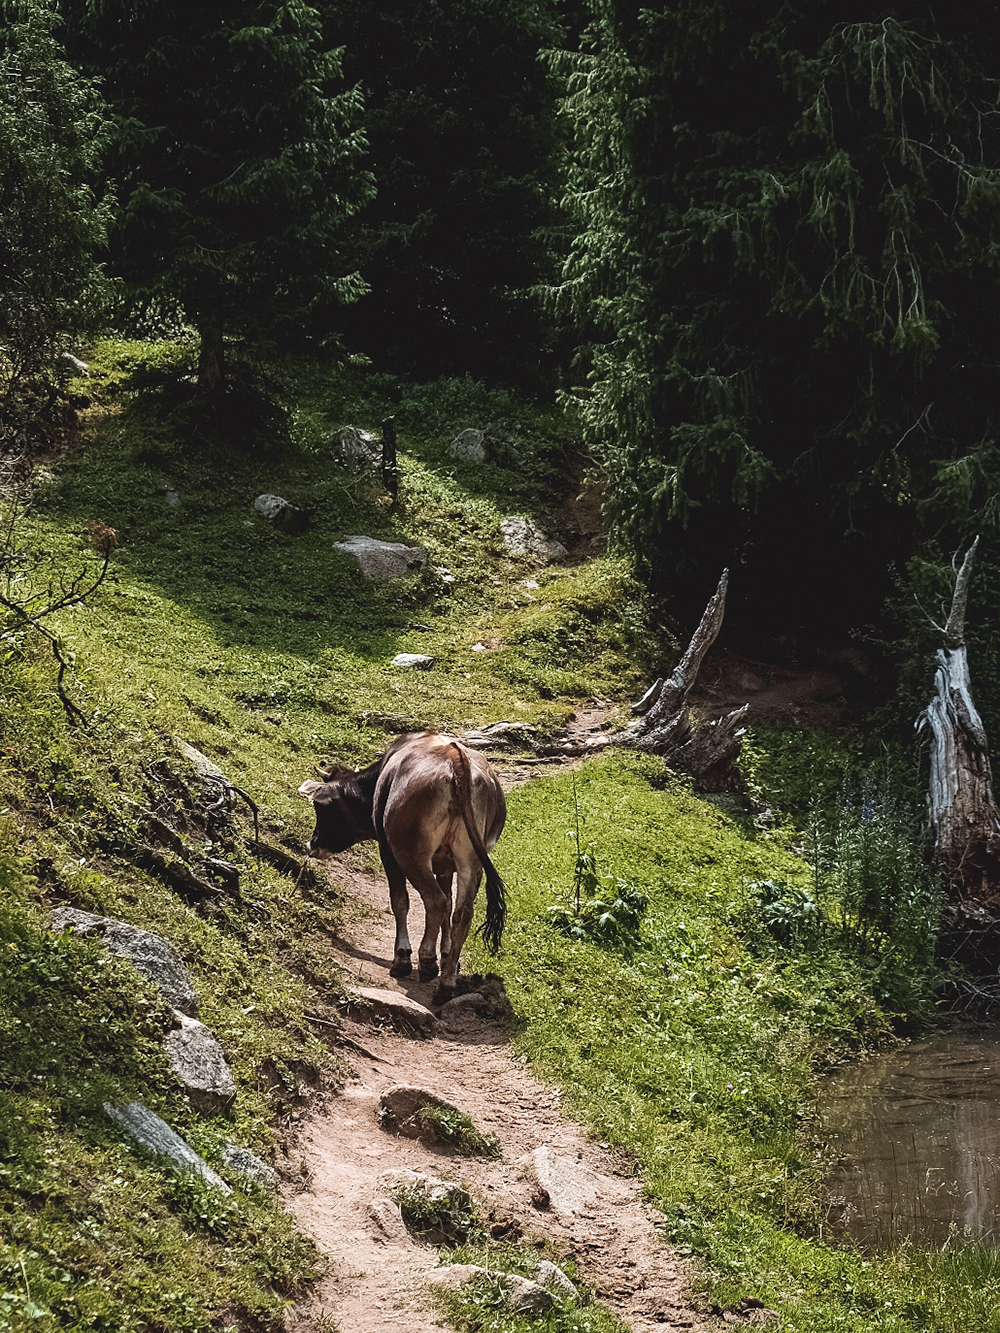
{"type": "Point", "coordinates": [343, 812]}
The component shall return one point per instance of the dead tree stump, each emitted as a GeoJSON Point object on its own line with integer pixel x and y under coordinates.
{"type": "Point", "coordinates": [710, 751]}
{"type": "Point", "coordinates": [964, 819]}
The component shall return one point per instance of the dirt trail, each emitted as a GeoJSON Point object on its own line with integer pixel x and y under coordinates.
{"type": "Point", "coordinates": [377, 1280]}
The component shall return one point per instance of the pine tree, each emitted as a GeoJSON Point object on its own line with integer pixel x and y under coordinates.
{"type": "Point", "coordinates": [785, 276]}
{"type": "Point", "coordinates": [52, 223]}
{"type": "Point", "coordinates": [238, 163]}
{"type": "Point", "coordinates": [460, 114]}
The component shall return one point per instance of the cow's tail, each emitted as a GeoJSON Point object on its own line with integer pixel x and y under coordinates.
{"type": "Point", "coordinates": [496, 894]}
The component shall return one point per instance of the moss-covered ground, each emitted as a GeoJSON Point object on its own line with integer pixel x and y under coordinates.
{"type": "Point", "coordinates": [690, 1045]}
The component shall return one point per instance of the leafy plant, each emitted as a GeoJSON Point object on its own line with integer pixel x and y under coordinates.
{"type": "Point", "coordinates": [202, 1204]}
{"type": "Point", "coordinates": [788, 912]}
{"type": "Point", "coordinates": [606, 910]}
{"type": "Point", "coordinates": [438, 1212]}
{"type": "Point", "coordinates": [451, 1126]}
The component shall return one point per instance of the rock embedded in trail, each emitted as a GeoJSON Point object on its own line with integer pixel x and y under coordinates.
{"type": "Point", "coordinates": [388, 1219]}
{"type": "Point", "coordinates": [368, 1001]}
{"type": "Point", "coordinates": [200, 1067]}
{"type": "Point", "coordinates": [148, 953]}
{"type": "Point", "coordinates": [146, 1128]}
{"type": "Point", "coordinates": [523, 1295]}
{"type": "Point", "coordinates": [380, 560]}
{"type": "Point", "coordinates": [567, 1186]}
{"type": "Point", "coordinates": [399, 1109]}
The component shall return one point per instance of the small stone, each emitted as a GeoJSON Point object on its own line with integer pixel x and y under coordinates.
{"type": "Point", "coordinates": [523, 1295]}
{"type": "Point", "coordinates": [413, 661]}
{"type": "Point", "coordinates": [388, 1219]}
{"type": "Point", "coordinates": [470, 446]}
{"type": "Point", "coordinates": [280, 512]}
{"type": "Point", "coordinates": [555, 1280]}
{"type": "Point", "coordinates": [522, 537]}
{"type": "Point", "coordinates": [199, 1066]}
{"type": "Point", "coordinates": [243, 1162]}
{"type": "Point", "coordinates": [390, 1004]}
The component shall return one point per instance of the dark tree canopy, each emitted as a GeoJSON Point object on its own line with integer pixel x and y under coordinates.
{"type": "Point", "coordinates": [52, 223]}
{"type": "Point", "coordinates": [786, 273]}
{"type": "Point", "coordinates": [238, 160]}
{"type": "Point", "coordinates": [460, 117]}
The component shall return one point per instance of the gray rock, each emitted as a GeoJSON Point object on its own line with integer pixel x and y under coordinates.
{"type": "Point", "coordinates": [245, 1163]}
{"type": "Point", "coordinates": [148, 953]}
{"type": "Point", "coordinates": [399, 1106]}
{"type": "Point", "coordinates": [469, 446]}
{"type": "Point", "coordinates": [156, 1136]}
{"type": "Point", "coordinates": [566, 1185]}
{"type": "Point", "coordinates": [388, 1219]}
{"type": "Point", "coordinates": [555, 1280]}
{"type": "Point", "coordinates": [413, 661]}
{"type": "Point", "coordinates": [359, 450]}
{"type": "Point", "coordinates": [281, 512]}
{"type": "Point", "coordinates": [200, 1067]}
{"type": "Point", "coordinates": [459, 1014]}
{"type": "Point", "coordinates": [390, 1004]}
{"type": "Point", "coordinates": [524, 538]}
{"type": "Point", "coordinates": [467, 1001]}
{"type": "Point", "coordinates": [379, 560]}
{"type": "Point", "coordinates": [523, 1295]}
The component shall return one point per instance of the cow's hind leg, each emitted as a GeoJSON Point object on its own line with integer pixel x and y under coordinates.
{"type": "Point", "coordinates": [399, 901]}
{"type": "Point", "coordinates": [466, 888]}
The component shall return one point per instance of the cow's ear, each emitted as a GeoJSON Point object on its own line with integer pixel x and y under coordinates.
{"type": "Point", "coordinates": [309, 789]}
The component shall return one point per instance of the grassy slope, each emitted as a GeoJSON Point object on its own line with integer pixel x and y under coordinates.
{"type": "Point", "coordinates": [269, 653]}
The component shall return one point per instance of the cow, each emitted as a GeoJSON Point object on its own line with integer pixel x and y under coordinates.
{"type": "Point", "coordinates": [435, 808]}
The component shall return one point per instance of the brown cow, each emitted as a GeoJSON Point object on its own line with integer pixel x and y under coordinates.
{"type": "Point", "coordinates": [436, 808]}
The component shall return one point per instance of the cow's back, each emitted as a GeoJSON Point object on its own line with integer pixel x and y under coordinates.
{"type": "Point", "coordinates": [416, 800]}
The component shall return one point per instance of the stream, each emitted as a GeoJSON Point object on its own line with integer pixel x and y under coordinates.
{"type": "Point", "coordinates": [918, 1132]}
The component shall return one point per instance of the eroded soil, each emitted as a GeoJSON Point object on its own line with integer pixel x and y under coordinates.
{"type": "Point", "coordinates": [377, 1281]}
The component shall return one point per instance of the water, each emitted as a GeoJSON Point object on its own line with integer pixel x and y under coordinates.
{"type": "Point", "coordinates": [919, 1130]}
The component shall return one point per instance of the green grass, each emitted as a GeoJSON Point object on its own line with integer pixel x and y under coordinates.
{"type": "Point", "coordinates": [692, 1051]}
{"type": "Point", "coordinates": [270, 654]}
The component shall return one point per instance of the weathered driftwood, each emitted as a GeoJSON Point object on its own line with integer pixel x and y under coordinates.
{"type": "Point", "coordinates": [710, 751]}
{"type": "Point", "coordinates": [964, 819]}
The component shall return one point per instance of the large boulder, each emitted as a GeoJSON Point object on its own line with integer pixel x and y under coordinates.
{"type": "Point", "coordinates": [522, 537]}
{"type": "Point", "coordinates": [146, 1128]}
{"type": "Point", "coordinates": [148, 953]}
{"type": "Point", "coordinates": [381, 561]}
{"type": "Point", "coordinates": [200, 1067]}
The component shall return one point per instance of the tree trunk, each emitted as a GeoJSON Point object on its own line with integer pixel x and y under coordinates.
{"type": "Point", "coordinates": [964, 818]}
{"type": "Point", "coordinates": [211, 357]}
{"type": "Point", "coordinates": [708, 752]}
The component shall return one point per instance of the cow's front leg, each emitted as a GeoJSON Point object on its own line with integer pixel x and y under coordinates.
{"type": "Point", "coordinates": [399, 901]}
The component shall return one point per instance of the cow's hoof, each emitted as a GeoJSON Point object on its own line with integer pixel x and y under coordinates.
{"type": "Point", "coordinates": [402, 967]}
{"type": "Point", "coordinates": [428, 970]}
